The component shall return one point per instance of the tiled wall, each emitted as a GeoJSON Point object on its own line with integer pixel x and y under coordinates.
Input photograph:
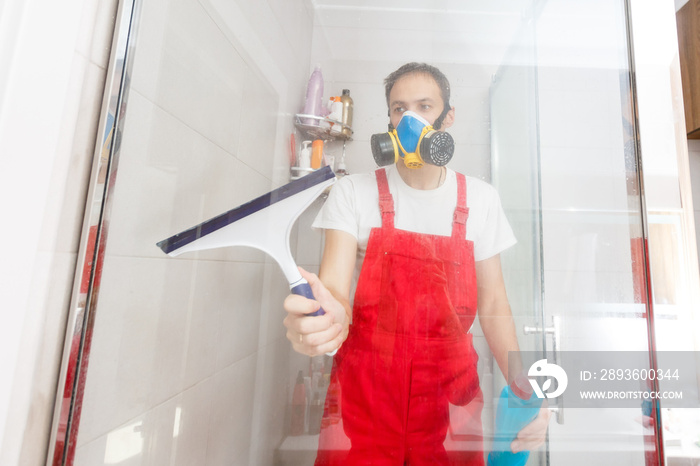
{"type": "Point", "coordinates": [189, 362]}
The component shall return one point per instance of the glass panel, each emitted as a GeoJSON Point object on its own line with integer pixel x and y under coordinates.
{"type": "Point", "coordinates": [190, 361]}
{"type": "Point", "coordinates": [575, 177]}
{"type": "Point", "coordinates": [515, 172]}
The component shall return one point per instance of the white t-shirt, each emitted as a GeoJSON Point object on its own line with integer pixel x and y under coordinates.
{"type": "Point", "coordinates": [353, 207]}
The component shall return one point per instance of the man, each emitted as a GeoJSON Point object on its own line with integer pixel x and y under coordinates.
{"type": "Point", "coordinates": [425, 243]}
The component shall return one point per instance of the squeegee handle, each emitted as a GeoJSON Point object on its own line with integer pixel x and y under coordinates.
{"type": "Point", "coordinates": [303, 289]}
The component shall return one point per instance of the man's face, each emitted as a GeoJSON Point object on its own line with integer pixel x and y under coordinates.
{"type": "Point", "coordinates": [419, 93]}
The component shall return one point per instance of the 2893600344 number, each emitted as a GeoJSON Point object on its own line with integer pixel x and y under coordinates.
{"type": "Point", "coordinates": [639, 374]}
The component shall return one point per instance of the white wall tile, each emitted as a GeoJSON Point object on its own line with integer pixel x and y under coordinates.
{"type": "Point", "coordinates": [145, 439]}
{"type": "Point", "coordinates": [229, 426]}
{"type": "Point", "coordinates": [296, 22]}
{"type": "Point", "coordinates": [239, 317]}
{"type": "Point", "coordinates": [472, 160]}
{"type": "Point", "coordinates": [270, 402]}
{"type": "Point", "coordinates": [191, 434]}
{"type": "Point", "coordinates": [138, 349]}
{"type": "Point", "coordinates": [471, 115]}
{"type": "Point", "coordinates": [170, 178]}
{"type": "Point", "coordinates": [224, 318]}
{"type": "Point", "coordinates": [199, 82]}
{"type": "Point", "coordinates": [285, 45]}
{"type": "Point", "coordinates": [91, 453]}
{"type": "Point", "coordinates": [258, 115]}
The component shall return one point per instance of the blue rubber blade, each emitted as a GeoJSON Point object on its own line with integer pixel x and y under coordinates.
{"type": "Point", "coordinates": [183, 238]}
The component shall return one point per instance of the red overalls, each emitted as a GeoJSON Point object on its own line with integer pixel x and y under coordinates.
{"type": "Point", "coordinates": [408, 355]}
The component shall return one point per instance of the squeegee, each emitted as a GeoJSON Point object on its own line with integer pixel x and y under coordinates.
{"type": "Point", "coordinates": [264, 223]}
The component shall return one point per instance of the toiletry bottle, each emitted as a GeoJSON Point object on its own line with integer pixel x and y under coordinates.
{"type": "Point", "coordinates": [316, 154]}
{"type": "Point", "coordinates": [314, 97]}
{"type": "Point", "coordinates": [347, 113]}
{"type": "Point", "coordinates": [298, 406]}
{"type": "Point", "coordinates": [333, 397]}
{"type": "Point", "coordinates": [336, 115]}
{"type": "Point", "coordinates": [315, 414]}
{"type": "Point", "coordinates": [305, 156]}
{"type": "Point", "coordinates": [517, 407]}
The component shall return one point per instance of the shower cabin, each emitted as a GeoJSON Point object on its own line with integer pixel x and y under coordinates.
{"type": "Point", "coordinates": [558, 103]}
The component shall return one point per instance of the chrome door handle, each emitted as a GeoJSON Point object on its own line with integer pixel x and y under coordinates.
{"type": "Point", "coordinates": [555, 332]}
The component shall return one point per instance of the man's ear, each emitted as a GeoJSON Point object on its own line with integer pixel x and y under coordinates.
{"type": "Point", "coordinates": [449, 119]}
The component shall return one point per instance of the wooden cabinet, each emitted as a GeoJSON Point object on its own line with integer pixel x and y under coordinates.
{"type": "Point", "coordinates": [688, 23]}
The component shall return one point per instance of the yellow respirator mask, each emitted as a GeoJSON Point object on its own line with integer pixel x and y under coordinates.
{"type": "Point", "coordinates": [415, 141]}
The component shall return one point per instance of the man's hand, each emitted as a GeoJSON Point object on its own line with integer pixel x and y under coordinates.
{"type": "Point", "coordinates": [533, 435]}
{"type": "Point", "coordinates": [315, 335]}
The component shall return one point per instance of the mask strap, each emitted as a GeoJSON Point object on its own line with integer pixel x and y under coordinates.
{"type": "Point", "coordinates": [439, 120]}
{"type": "Point", "coordinates": [436, 125]}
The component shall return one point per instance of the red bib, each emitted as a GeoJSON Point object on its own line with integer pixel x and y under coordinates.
{"type": "Point", "coordinates": [408, 356]}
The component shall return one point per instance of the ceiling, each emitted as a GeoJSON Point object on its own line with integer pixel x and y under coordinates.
{"type": "Point", "coordinates": [569, 32]}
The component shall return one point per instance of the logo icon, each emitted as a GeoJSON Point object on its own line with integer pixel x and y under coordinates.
{"type": "Point", "coordinates": [542, 368]}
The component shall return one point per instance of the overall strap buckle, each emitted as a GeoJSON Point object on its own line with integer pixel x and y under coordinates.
{"type": "Point", "coordinates": [386, 203]}
{"type": "Point", "coordinates": [461, 215]}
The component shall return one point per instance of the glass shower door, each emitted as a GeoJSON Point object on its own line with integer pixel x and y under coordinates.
{"type": "Point", "coordinates": [515, 172]}
{"type": "Point", "coordinates": [564, 161]}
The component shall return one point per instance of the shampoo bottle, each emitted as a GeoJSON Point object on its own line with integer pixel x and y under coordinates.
{"type": "Point", "coordinates": [517, 407]}
{"type": "Point", "coordinates": [314, 95]}
{"type": "Point", "coordinates": [347, 112]}
{"type": "Point", "coordinates": [316, 154]}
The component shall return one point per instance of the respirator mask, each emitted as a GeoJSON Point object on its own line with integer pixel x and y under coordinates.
{"type": "Point", "coordinates": [415, 141]}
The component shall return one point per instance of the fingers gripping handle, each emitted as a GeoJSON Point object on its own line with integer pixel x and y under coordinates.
{"type": "Point", "coordinates": [303, 289]}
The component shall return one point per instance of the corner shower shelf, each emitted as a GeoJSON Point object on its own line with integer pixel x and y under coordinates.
{"type": "Point", "coordinates": [318, 130]}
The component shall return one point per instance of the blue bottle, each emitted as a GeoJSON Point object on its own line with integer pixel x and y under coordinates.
{"type": "Point", "coordinates": [517, 407]}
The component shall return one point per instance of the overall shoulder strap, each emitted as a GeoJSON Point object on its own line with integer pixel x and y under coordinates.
{"type": "Point", "coordinates": [459, 222]}
{"type": "Point", "coordinates": [386, 201]}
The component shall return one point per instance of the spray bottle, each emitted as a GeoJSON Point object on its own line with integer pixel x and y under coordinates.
{"type": "Point", "coordinates": [517, 407]}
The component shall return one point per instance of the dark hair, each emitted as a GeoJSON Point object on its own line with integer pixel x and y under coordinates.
{"type": "Point", "coordinates": [422, 68]}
